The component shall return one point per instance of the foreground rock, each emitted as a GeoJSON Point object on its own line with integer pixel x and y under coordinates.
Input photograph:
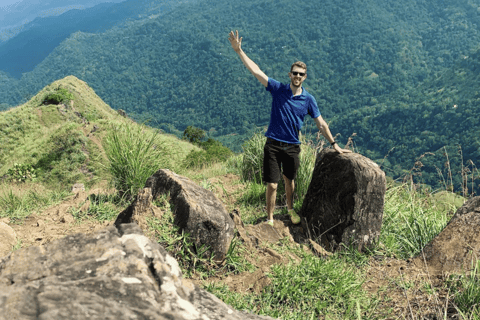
{"type": "Point", "coordinates": [344, 202]}
{"type": "Point", "coordinates": [8, 238]}
{"type": "Point", "coordinates": [197, 210]}
{"type": "Point", "coordinates": [111, 274]}
{"type": "Point", "coordinates": [458, 244]}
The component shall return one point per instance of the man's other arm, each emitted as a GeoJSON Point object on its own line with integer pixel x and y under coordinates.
{"type": "Point", "coordinates": [323, 127]}
{"type": "Point", "coordinates": [236, 43]}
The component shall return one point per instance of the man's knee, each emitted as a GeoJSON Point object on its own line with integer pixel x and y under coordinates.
{"type": "Point", "coordinates": [287, 180]}
{"type": "Point", "coordinates": [272, 186]}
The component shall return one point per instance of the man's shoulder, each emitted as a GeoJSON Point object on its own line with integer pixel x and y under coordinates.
{"type": "Point", "coordinates": [276, 85]}
{"type": "Point", "coordinates": [309, 95]}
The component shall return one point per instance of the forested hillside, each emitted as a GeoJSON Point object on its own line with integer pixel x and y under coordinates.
{"type": "Point", "coordinates": [40, 37]}
{"type": "Point", "coordinates": [366, 61]}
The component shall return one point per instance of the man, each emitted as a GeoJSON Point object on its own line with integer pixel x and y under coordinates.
{"type": "Point", "coordinates": [290, 104]}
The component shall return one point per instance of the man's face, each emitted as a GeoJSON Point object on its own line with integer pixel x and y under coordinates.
{"type": "Point", "coordinates": [297, 76]}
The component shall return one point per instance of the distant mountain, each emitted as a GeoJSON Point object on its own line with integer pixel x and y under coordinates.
{"type": "Point", "coordinates": [368, 61]}
{"type": "Point", "coordinates": [39, 38]}
{"type": "Point", "coordinates": [13, 17]}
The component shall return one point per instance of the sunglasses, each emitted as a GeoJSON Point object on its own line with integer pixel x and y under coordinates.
{"type": "Point", "coordinates": [301, 74]}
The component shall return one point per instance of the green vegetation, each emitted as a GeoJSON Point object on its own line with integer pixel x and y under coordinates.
{"type": "Point", "coordinates": [17, 205]}
{"type": "Point", "coordinates": [102, 207]}
{"type": "Point", "coordinates": [61, 95]}
{"type": "Point", "coordinates": [411, 220]}
{"type": "Point", "coordinates": [467, 287]}
{"type": "Point", "coordinates": [56, 146]}
{"type": "Point", "coordinates": [135, 153]}
{"type": "Point", "coordinates": [213, 150]}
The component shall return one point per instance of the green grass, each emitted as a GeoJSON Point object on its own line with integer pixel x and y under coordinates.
{"type": "Point", "coordinates": [309, 290]}
{"type": "Point", "coordinates": [18, 205]}
{"type": "Point", "coordinates": [135, 154]}
{"type": "Point", "coordinates": [466, 292]}
{"type": "Point", "coordinates": [410, 221]}
{"type": "Point", "coordinates": [103, 207]}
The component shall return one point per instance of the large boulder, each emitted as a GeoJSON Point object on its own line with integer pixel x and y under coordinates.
{"type": "Point", "coordinates": [458, 245]}
{"type": "Point", "coordinates": [8, 238]}
{"type": "Point", "coordinates": [197, 211]}
{"type": "Point", "coordinates": [111, 274]}
{"type": "Point", "coordinates": [344, 202]}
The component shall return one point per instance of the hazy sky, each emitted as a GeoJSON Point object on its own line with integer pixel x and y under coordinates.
{"type": "Point", "coordinates": [4, 3]}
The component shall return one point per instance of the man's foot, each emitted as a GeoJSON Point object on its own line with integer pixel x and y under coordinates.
{"type": "Point", "coordinates": [294, 217]}
{"type": "Point", "coordinates": [270, 222]}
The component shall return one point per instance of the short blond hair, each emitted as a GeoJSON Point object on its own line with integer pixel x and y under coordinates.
{"type": "Point", "coordinates": [299, 64]}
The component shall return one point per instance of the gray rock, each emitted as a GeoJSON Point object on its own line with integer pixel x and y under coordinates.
{"type": "Point", "coordinates": [454, 249]}
{"type": "Point", "coordinates": [345, 200]}
{"type": "Point", "coordinates": [197, 211]}
{"type": "Point", "coordinates": [8, 238]}
{"type": "Point", "coordinates": [112, 274]}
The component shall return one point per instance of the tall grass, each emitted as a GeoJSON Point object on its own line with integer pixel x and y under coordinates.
{"type": "Point", "coordinates": [410, 221]}
{"type": "Point", "coordinates": [466, 290]}
{"type": "Point", "coordinates": [251, 164]}
{"type": "Point", "coordinates": [135, 154]}
{"type": "Point", "coordinates": [314, 289]}
{"type": "Point", "coordinates": [18, 206]}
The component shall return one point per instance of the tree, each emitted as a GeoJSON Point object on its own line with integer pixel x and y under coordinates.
{"type": "Point", "coordinates": [193, 134]}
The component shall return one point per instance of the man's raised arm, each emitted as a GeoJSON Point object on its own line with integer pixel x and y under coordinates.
{"type": "Point", "coordinates": [251, 66]}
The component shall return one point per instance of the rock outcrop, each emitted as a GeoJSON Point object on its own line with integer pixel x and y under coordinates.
{"type": "Point", "coordinates": [345, 200]}
{"type": "Point", "coordinates": [458, 244]}
{"type": "Point", "coordinates": [111, 274]}
{"type": "Point", "coordinates": [197, 211]}
{"type": "Point", "coordinates": [8, 238]}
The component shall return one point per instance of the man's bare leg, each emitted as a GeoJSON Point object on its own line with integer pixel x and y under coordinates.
{"type": "Point", "coordinates": [271, 197]}
{"type": "Point", "coordinates": [289, 187]}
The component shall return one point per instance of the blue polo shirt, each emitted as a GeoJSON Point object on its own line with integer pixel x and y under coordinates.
{"type": "Point", "coordinates": [288, 112]}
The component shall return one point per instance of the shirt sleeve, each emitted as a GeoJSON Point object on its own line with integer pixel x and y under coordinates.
{"type": "Point", "coordinates": [273, 85]}
{"type": "Point", "coordinates": [313, 110]}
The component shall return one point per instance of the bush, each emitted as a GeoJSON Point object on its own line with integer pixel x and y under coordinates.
{"type": "Point", "coordinates": [213, 151]}
{"type": "Point", "coordinates": [135, 154]}
{"type": "Point", "coordinates": [22, 172]}
{"type": "Point", "coordinates": [193, 134]}
{"type": "Point", "coordinates": [60, 95]}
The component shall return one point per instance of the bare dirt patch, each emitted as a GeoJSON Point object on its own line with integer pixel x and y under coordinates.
{"type": "Point", "coordinates": [55, 222]}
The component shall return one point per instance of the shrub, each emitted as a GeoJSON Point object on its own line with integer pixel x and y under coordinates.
{"type": "Point", "coordinates": [135, 154]}
{"type": "Point", "coordinates": [213, 151]}
{"type": "Point", "coordinates": [193, 134]}
{"type": "Point", "coordinates": [22, 172]}
{"type": "Point", "coordinates": [60, 95]}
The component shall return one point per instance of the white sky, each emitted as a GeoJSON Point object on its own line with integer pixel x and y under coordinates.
{"type": "Point", "coordinates": [4, 3]}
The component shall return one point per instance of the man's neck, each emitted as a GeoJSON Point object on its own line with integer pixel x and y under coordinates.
{"type": "Point", "coordinates": [296, 90]}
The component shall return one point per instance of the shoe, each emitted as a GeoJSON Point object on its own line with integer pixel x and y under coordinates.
{"type": "Point", "coordinates": [270, 222]}
{"type": "Point", "coordinates": [294, 217]}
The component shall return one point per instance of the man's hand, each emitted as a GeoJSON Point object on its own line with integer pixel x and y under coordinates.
{"type": "Point", "coordinates": [340, 150]}
{"type": "Point", "coordinates": [235, 41]}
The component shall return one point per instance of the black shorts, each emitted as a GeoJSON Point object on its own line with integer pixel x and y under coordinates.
{"type": "Point", "coordinates": [279, 157]}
